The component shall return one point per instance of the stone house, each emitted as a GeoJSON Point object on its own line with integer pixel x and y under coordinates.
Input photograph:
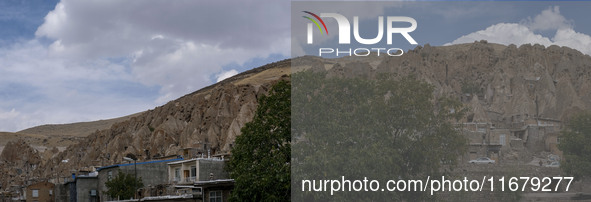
{"type": "Point", "coordinates": [86, 188]}
{"type": "Point", "coordinates": [525, 133]}
{"type": "Point", "coordinates": [216, 190]}
{"type": "Point", "coordinates": [203, 178]}
{"type": "Point", "coordinates": [552, 140]}
{"type": "Point", "coordinates": [154, 174]}
{"type": "Point", "coordinates": [41, 191]}
{"type": "Point", "coordinates": [187, 172]}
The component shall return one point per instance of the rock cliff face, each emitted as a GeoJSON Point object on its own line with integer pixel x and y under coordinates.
{"type": "Point", "coordinates": [500, 84]}
{"type": "Point", "coordinates": [209, 120]}
{"type": "Point", "coordinates": [18, 162]}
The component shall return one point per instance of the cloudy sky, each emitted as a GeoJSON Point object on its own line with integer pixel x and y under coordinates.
{"type": "Point", "coordinates": [70, 61]}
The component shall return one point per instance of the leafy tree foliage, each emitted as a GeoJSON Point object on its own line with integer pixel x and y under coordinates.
{"type": "Point", "coordinates": [260, 162]}
{"type": "Point", "coordinates": [123, 186]}
{"type": "Point", "coordinates": [383, 128]}
{"type": "Point", "coordinates": [574, 143]}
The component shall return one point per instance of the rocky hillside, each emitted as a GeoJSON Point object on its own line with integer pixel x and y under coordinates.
{"type": "Point", "coordinates": [81, 129]}
{"type": "Point", "coordinates": [500, 84]}
{"type": "Point", "coordinates": [18, 162]}
{"type": "Point", "coordinates": [59, 136]}
{"type": "Point", "coordinates": [208, 119]}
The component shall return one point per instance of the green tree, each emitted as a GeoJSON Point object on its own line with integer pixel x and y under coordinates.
{"type": "Point", "coordinates": [574, 143]}
{"type": "Point", "coordinates": [383, 128]}
{"type": "Point", "coordinates": [123, 186]}
{"type": "Point", "coordinates": [260, 162]}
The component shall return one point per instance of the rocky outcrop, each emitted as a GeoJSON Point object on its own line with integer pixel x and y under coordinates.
{"type": "Point", "coordinates": [18, 163]}
{"type": "Point", "coordinates": [209, 120]}
{"type": "Point", "coordinates": [500, 84]}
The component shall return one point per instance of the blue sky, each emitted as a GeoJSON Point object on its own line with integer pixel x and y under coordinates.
{"type": "Point", "coordinates": [19, 19]}
{"type": "Point", "coordinates": [70, 61]}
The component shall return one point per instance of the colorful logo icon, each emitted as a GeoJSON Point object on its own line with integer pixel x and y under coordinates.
{"type": "Point", "coordinates": [314, 21]}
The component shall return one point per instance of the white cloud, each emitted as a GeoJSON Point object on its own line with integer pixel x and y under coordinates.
{"type": "Point", "coordinates": [570, 38]}
{"type": "Point", "coordinates": [504, 33]}
{"type": "Point", "coordinates": [89, 59]}
{"type": "Point", "coordinates": [14, 120]}
{"type": "Point", "coordinates": [178, 46]}
{"type": "Point", "coordinates": [549, 19]}
{"type": "Point", "coordinates": [226, 74]}
{"type": "Point", "coordinates": [36, 88]}
{"type": "Point", "coordinates": [524, 33]}
{"type": "Point", "coordinates": [9, 114]}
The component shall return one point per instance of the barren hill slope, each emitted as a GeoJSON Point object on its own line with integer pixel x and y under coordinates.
{"type": "Point", "coordinates": [81, 129]}
{"type": "Point", "coordinates": [38, 141]}
{"type": "Point", "coordinates": [58, 135]}
{"type": "Point", "coordinates": [208, 119]}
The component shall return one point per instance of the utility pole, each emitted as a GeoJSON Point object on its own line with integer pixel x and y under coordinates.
{"type": "Point", "coordinates": [135, 176]}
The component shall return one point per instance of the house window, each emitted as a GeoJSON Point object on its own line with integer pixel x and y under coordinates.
{"type": "Point", "coordinates": [35, 193]}
{"type": "Point", "coordinates": [193, 171]}
{"type": "Point", "coordinates": [109, 175]}
{"type": "Point", "coordinates": [177, 174]}
{"type": "Point", "coordinates": [482, 130]}
{"type": "Point", "coordinates": [215, 196]}
{"type": "Point", "coordinates": [502, 139]}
